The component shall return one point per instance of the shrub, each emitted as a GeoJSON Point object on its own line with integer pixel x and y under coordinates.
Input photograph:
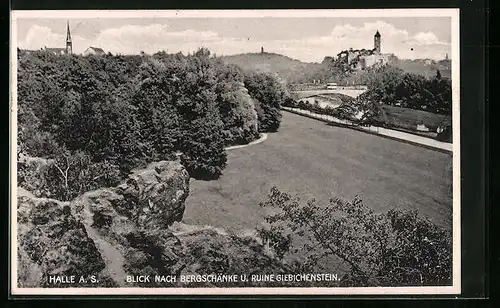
{"type": "Point", "coordinates": [238, 113]}
{"type": "Point", "coordinates": [269, 94]}
{"type": "Point", "coordinates": [397, 248]}
{"type": "Point", "coordinates": [290, 102]}
{"type": "Point", "coordinates": [31, 139]}
{"type": "Point", "coordinates": [72, 174]}
{"type": "Point", "coordinates": [203, 152]}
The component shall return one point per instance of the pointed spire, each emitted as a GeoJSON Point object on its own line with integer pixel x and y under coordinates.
{"type": "Point", "coordinates": [69, 44]}
{"type": "Point", "coordinates": [377, 34]}
{"type": "Point", "coordinates": [68, 34]}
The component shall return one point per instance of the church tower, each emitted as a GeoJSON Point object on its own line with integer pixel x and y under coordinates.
{"type": "Point", "coordinates": [377, 43]}
{"type": "Point", "coordinates": [69, 44]}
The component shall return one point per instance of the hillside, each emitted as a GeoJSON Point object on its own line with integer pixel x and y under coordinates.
{"type": "Point", "coordinates": [295, 71]}
{"type": "Point", "coordinates": [287, 68]}
{"type": "Point", "coordinates": [425, 67]}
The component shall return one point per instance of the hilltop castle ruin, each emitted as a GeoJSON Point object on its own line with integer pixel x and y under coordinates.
{"type": "Point", "coordinates": [359, 59]}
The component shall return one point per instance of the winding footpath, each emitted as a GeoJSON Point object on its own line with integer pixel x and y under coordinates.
{"type": "Point", "coordinates": [262, 138]}
{"type": "Point", "coordinates": [113, 258]}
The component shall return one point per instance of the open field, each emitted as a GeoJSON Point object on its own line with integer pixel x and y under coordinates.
{"type": "Point", "coordinates": [409, 118]}
{"type": "Point", "coordinates": [312, 159]}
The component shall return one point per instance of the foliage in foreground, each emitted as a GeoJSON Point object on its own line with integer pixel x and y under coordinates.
{"type": "Point", "coordinates": [398, 248]}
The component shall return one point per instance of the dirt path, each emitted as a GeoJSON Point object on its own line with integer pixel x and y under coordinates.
{"type": "Point", "coordinates": [112, 256]}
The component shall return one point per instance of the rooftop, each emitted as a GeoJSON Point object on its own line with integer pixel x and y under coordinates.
{"type": "Point", "coordinates": [96, 49]}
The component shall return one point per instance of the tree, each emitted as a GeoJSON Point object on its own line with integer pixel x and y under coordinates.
{"type": "Point", "coordinates": [71, 174]}
{"type": "Point", "coordinates": [438, 74]}
{"type": "Point", "coordinates": [236, 107]}
{"type": "Point", "coordinates": [397, 248]}
{"type": "Point", "coordinates": [269, 94]}
{"type": "Point", "coordinates": [202, 145]}
{"type": "Point", "coordinates": [129, 110]}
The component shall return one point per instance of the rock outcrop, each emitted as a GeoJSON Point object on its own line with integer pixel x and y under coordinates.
{"type": "Point", "coordinates": [52, 242]}
{"type": "Point", "coordinates": [155, 196]}
{"type": "Point", "coordinates": [112, 233]}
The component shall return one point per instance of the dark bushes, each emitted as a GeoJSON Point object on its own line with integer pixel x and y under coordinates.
{"type": "Point", "coordinates": [269, 94]}
{"type": "Point", "coordinates": [398, 248]}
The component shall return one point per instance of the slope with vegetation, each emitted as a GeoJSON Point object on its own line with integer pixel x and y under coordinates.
{"type": "Point", "coordinates": [287, 68]}
{"type": "Point", "coordinates": [95, 118]}
{"type": "Point", "coordinates": [330, 69]}
{"type": "Point", "coordinates": [397, 248]}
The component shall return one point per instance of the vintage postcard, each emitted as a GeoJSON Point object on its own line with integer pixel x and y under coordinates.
{"type": "Point", "coordinates": [235, 152]}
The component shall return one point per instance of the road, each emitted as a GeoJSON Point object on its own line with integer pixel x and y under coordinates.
{"type": "Point", "coordinates": [312, 159]}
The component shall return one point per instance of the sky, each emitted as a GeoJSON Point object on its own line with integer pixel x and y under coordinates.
{"type": "Point", "coordinates": [304, 39]}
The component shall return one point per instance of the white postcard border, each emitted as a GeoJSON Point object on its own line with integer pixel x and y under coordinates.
{"type": "Point", "coordinates": [455, 56]}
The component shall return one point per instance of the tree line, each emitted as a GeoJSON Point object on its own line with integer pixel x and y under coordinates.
{"type": "Point", "coordinates": [97, 117]}
{"type": "Point", "coordinates": [392, 86]}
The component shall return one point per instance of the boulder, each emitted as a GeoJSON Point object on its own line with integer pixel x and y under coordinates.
{"type": "Point", "coordinates": [127, 230]}
{"type": "Point", "coordinates": [127, 248]}
{"type": "Point", "coordinates": [52, 242]}
{"type": "Point", "coordinates": [154, 197]}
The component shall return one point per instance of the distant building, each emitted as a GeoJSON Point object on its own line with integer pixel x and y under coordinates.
{"type": "Point", "coordinates": [377, 42]}
{"type": "Point", "coordinates": [261, 49]}
{"type": "Point", "coordinates": [66, 50]}
{"type": "Point", "coordinates": [93, 51]}
{"type": "Point", "coordinates": [362, 58]}
{"type": "Point", "coordinates": [69, 43]}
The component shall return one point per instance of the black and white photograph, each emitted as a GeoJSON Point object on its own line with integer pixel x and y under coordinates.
{"type": "Point", "coordinates": [235, 152]}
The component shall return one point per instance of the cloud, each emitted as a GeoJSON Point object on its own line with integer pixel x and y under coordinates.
{"type": "Point", "coordinates": [38, 37]}
{"type": "Point", "coordinates": [126, 39]}
{"type": "Point", "coordinates": [394, 40]}
{"type": "Point", "coordinates": [131, 39]}
{"type": "Point", "coordinates": [314, 48]}
{"type": "Point", "coordinates": [426, 38]}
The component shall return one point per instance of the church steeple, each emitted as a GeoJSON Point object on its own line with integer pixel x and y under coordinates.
{"type": "Point", "coordinates": [69, 44]}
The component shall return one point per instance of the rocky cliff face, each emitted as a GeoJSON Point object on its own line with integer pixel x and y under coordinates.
{"type": "Point", "coordinates": [112, 233]}
{"type": "Point", "coordinates": [52, 242]}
